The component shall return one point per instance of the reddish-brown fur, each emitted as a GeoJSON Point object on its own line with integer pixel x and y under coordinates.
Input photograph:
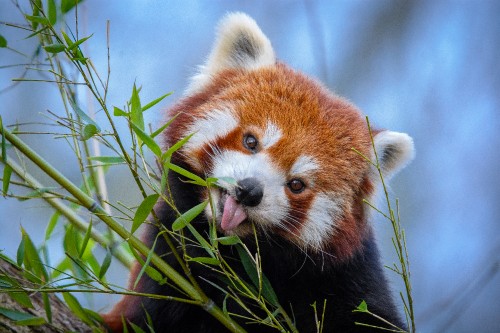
{"type": "Point", "coordinates": [313, 121]}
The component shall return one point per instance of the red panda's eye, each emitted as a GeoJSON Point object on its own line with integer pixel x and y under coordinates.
{"type": "Point", "coordinates": [250, 142]}
{"type": "Point", "coordinates": [296, 185]}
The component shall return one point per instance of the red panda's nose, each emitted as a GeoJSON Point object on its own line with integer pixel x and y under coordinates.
{"type": "Point", "coordinates": [249, 192]}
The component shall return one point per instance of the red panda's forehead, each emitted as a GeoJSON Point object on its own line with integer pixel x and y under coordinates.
{"type": "Point", "coordinates": [311, 121]}
{"type": "Point", "coordinates": [307, 121]}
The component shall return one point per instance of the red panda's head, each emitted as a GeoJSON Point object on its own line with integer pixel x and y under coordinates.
{"type": "Point", "coordinates": [286, 141]}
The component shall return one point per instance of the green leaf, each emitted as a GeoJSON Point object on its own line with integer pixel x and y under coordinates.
{"type": "Point", "coordinates": [145, 265]}
{"type": "Point", "coordinates": [83, 116]}
{"type": "Point", "coordinates": [47, 306]}
{"type": "Point", "coordinates": [85, 240]}
{"type": "Point", "coordinates": [176, 146]}
{"type": "Point", "coordinates": [201, 240]}
{"type": "Point", "coordinates": [35, 321]}
{"type": "Point", "coordinates": [52, 11]}
{"type": "Point", "coordinates": [22, 298]}
{"type": "Point", "coordinates": [150, 271]}
{"type": "Point", "coordinates": [229, 240]}
{"type": "Point", "coordinates": [162, 128]}
{"type": "Point", "coordinates": [135, 109]}
{"type": "Point", "coordinates": [196, 179]}
{"type": "Point", "coordinates": [89, 131]}
{"type": "Point", "coordinates": [16, 315]}
{"type": "Point", "coordinates": [20, 253]}
{"type": "Point", "coordinates": [119, 112]}
{"type": "Point", "coordinates": [75, 307]}
{"type": "Point", "coordinates": [77, 43]}
{"type": "Point", "coordinates": [67, 5]}
{"type": "Point", "coordinates": [68, 40]}
{"type": "Point", "coordinates": [251, 270]}
{"type": "Point", "coordinates": [37, 19]}
{"type": "Point", "coordinates": [4, 144]}
{"type": "Point", "coordinates": [55, 48]}
{"type": "Point", "coordinates": [32, 260]}
{"type": "Point", "coordinates": [52, 224]}
{"type": "Point", "coordinates": [3, 41]}
{"type": "Point", "coordinates": [143, 211]}
{"type": "Point", "coordinates": [206, 260]}
{"type": "Point", "coordinates": [136, 328]}
{"type": "Point", "coordinates": [7, 172]}
{"type": "Point", "coordinates": [363, 307]}
{"type": "Point", "coordinates": [108, 159]}
{"type": "Point", "coordinates": [154, 102]}
{"type": "Point", "coordinates": [188, 216]}
{"type": "Point", "coordinates": [148, 141]}
{"type": "Point", "coordinates": [105, 264]}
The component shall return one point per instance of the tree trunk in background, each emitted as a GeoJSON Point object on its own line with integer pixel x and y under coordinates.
{"type": "Point", "coordinates": [63, 320]}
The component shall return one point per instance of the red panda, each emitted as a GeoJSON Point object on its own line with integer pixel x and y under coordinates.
{"type": "Point", "coordinates": [288, 144]}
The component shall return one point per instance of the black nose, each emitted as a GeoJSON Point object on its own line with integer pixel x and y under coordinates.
{"type": "Point", "coordinates": [249, 192]}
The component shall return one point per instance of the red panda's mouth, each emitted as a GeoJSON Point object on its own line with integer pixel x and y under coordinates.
{"type": "Point", "coordinates": [233, 213]}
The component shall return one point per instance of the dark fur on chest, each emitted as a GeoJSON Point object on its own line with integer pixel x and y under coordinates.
{"type": "Point", "coordinates": [299, 279]}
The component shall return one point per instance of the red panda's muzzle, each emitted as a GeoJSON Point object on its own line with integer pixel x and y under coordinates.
{"type": "Point", "coordinates": [248, 193]}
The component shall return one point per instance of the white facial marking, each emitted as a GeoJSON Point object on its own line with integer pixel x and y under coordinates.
{"type": "Point", "coordinates": [274, 205]}
{"type": "Point", "coordinates": [320, 223]}
{"type": "Point", "coordinates": [272, 134]}
{"type": "Point", "coordinates": [213, 125]}
{"type": "Point", "coordinates": [304, 164]}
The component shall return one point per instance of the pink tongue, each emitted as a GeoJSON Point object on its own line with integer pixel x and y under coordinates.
{"type": "Point", "coordinates": [233, 214]}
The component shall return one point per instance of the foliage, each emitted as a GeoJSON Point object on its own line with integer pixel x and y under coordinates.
{"type": "Point", "coordinates": [80, 271]}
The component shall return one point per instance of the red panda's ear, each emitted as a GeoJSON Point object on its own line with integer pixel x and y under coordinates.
{"type": "Point", "coordinates": [239, 44]}
{"type": "Point", "coordinates": [395, 150]}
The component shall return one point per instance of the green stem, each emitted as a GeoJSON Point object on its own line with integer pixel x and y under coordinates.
{"type": "Point", "coordinates": [125, 258]}
{"type": "Point", "coordinates": [206, 303]}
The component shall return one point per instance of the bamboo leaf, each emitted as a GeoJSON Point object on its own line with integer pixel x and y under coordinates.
{"type": "Point", "coordinates": [4, 144]}
{"type": "Point", "coordinates": [22, 298]}
{"type": "Point", "coordinates": [16, 315]}
{"type": "Point", "coordinates": [176, 146]}
{"type": "Point", "coordinates": [119, 112]}
{"type": "Point", "coordinates": [32, 260]}
{"type": "Point", "coordinates": [86, 240]}
{"type": "Point", "coordinates": [55, 48]}
{"type": "Point", "coordinates": [148, 141]}
{"type": "Point", "coordinates": [52, 224]}
{"type": "Point", "coordinates": [89, 131]}
{"type": "Point", "coordinates": [229, 240]}
{"type": "Point", "coordinates": [206, 260]}
{"type": "Point", "coordinates": [154, 102]}
{"type": "Point", "coordinates": [3, 41]}
{"type": "Point", "coordinates": [7, 172]}
{"type": "Point", "coordinates": [188, 216]}
{"type": "Point", "coordinates": [143, 211]}
{"type": "Point", "coordinates": [108, 159]}
{"type": "Point", "coordinates": [52, 11]}
{"type": "Point", "coordinates": [75, 307]}
{"type": "Point", "coordinates": [362, 307]}
{"type": "Point", "coordinates": [135, 109]}
{"type": "Point", "coordinates": [105, 264]}
{"type": "Point", "coordinates": [250, 268]}
{"type": "Point", "coordinates": [78, 42]}
{"type": "Point", "coordinates": [37, 19]}
{"type": "Point", "coordinates": [67, 5]}
{"type": "Point", "coordinates": [196, 179]}
{"type": "Point", "coordinates": [35, 321]}
{"type": "Point", "coordinates": [162, 128]}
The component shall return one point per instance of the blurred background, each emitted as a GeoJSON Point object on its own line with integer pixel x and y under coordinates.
{"type": "Point", "coordinates": [427, 68]}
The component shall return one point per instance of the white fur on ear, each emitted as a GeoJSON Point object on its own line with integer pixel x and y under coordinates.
{"type": "Point", "coordinates": [395, 150]}
{"type": "Point", "coordinates": [239, 44]}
